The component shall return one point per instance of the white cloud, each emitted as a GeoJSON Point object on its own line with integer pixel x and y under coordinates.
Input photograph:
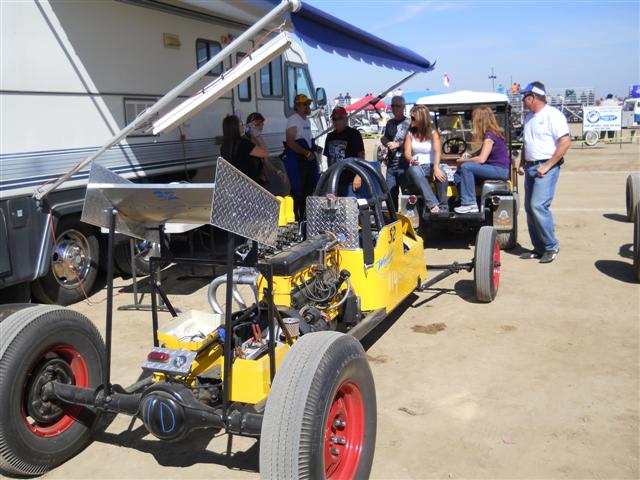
{"type": "Point", "coordinates": [410, 10]}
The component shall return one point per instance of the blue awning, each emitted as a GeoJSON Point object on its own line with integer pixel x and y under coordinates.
{"type": "Point", "coordinates": [318, 29]}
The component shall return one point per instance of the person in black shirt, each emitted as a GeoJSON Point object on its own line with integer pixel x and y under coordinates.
{"type": "Point", "coordinates": [393, 139]}
{"type": "Point", "coordinates": [344, 142]}
{"type": "Point", "coordinates": [243, 151]}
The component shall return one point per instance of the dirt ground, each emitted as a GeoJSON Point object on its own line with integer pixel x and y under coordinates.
{"type": "Point", "coordinates": [541, 383]}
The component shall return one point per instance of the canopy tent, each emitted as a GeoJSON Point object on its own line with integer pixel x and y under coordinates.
{"type": "Point", "coordinates": [319, 29]}
{"type": "Point", "coordinates": [463, 97]}
{"type": "Point", "coordinates": [366, 103]}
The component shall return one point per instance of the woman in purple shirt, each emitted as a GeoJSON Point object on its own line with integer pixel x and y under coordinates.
{"type": "Point", "coordinates": [491, 164]}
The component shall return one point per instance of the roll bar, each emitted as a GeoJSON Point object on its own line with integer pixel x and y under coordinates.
{"type": "Point", "coordinates": [329, 181]}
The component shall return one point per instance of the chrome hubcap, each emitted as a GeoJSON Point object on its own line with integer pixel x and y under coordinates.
{"type": "Point", "coordinates": [71, 259]}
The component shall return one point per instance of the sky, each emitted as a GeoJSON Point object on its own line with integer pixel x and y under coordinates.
{"type": "Point", "coordinates": [564, 44]}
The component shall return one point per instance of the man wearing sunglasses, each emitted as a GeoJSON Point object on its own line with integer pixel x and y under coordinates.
{"type": "Point", "coordinates": [344, 142]}
{"type": "Point", "coordinates": [393, 138]}
{"type": "Point", "coordinates": [546, 140]}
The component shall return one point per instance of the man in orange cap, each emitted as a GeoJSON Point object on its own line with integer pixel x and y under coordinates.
{"type": "Point", "coordinates": [300, 158]}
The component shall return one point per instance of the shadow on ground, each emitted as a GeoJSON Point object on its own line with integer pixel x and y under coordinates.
{"type": "Point", "coordinates": [191, 451]}
{"type": "Point", "coordinates": [177, 280]}
{"type": "Point", "coordinates": [622, 271]}
{"type": "Point", "coordinates": [626, 251]}
{"type": "Point", "coordinates": [617, 217]}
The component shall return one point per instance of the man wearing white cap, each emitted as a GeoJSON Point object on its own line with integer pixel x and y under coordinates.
{"type": "Point", "coordinates": [546, 140]}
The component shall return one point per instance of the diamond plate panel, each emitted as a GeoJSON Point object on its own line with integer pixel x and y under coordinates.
{"type": "Point", "coordinates": [338, 216]}
{"type": "Point", "coordinates": [243, 207]}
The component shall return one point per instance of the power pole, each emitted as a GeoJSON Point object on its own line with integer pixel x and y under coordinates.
{"type": "Point", "coordinates": [493, 78]}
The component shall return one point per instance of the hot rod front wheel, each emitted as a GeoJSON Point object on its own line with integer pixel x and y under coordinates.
{"type": "Point", "coordinates": [320, 418]}
{"type": "Point", "coordinates": [40, 344]}
{"type": "Point", "coordinates": [486, 270]}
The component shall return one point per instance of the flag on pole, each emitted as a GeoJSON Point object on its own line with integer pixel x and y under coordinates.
{"type": "Point", "coordinates": [446, 81]}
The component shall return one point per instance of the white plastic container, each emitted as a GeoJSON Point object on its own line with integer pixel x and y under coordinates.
{"type": "Point", "coordinates": [192, 326]}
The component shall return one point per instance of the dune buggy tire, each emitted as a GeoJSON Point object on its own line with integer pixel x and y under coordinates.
{"type": "Point", "coordinates": [632, 195]}
{"type": "Point", "coordinates": [77, 248]}
{"type": "Point", "coordinates": [37, 343]}
{"type": "Point", "coordinates": [636, 242]}
{"type": "Point", "coordinates": [320, 416]}
{"type": "Point", "coordinates": [486, 271]}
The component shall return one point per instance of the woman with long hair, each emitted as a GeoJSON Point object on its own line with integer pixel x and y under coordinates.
{"type": "Point", "coordinates": [422, 151]}
{"type": "Point", "coordinates": [492, 163]}
{"type": "Point", "coordinates": [243, 150]}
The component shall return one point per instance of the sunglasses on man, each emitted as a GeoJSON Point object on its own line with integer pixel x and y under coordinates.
{"type": "Point", "coordinates": [337, 119]}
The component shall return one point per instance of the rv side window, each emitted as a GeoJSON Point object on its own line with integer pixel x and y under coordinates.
{"type": "Point", "coordinates": [133, 107]}
{"type": "Point", "coordinates": [244, 88]}
{"type": "Point", "coordinates": [205, 50]}
{"type": "Point", "coordinates": [298, 81]}
{"type": "Point", "coordinates": [271, 78]}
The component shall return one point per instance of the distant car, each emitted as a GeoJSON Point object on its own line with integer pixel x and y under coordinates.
{"type": "Point", "coordinates": [364, 126]}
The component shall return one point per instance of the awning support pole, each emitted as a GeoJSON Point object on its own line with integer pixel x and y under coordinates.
{"type": "Point", "coordinates": [373, 101]}
{"type": "Point", "coordinates": [189, 82]}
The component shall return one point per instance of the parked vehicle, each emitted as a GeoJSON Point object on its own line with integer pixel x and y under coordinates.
{"type": "Point", "coordinates": [497, 199]}
{"type": "Point", "coordinates": [72, 75]}
{"type": "Point", "coordinates": [631, 113]}
{"type": "Point", "coordinates": [364, 126]}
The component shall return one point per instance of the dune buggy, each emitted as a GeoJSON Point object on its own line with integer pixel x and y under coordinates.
{"type": "Point", "coordinates": [498, 200]}
{"type": "Point", "coordinates": [286, 368]}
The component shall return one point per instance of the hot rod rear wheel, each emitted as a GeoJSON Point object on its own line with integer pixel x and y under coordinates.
{"type": "Point", "coordinates": [39, 343]}
{"type": "Point", "coordinates": [486, 271]}
{"type": "Point", "coordinates": [320, 418]}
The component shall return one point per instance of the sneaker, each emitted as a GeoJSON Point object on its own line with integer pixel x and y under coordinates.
{"type": "Point", "coordinates": [467, 209]}
{"type": "Point", "coordinates": [531, 254]}
{"type": "Point", "coordinates": [549, 256]}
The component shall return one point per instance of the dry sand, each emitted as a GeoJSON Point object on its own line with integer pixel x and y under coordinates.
{"type": "Point", "coordinates": [541, 383]}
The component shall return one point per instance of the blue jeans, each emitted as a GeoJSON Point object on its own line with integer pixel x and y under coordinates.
{"type": "Point", "coordinates": [538, 195]}
{"type": "Point", "coordinates": [419, 175]}
{"type": "Point", "coordinates": [363, 191]}
{"type": "Point", "coordinates": [468, 173]}
{"type": "Point", "coordinates": [393, 179]}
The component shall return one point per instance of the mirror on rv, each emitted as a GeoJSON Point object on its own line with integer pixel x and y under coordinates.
{"type": "Point", "coordinates": [321, 97]}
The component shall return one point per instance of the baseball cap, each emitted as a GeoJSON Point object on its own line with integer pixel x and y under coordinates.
{"type": "Point", "coordinates": [338, 112]}
{"type": "Point", "coordinates": [531, 88]}
{"type": "Point", "coordinates": [301, 98]}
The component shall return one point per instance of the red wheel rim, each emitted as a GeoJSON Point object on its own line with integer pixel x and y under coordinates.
{"type": "Point", "coordinates": [80, 372]}
{"type": "Point", "coordinates": [344, 434]}
{"type": "Point", "coordinates": [496, 264]}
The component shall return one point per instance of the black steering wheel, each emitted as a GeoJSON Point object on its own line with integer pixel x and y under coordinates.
{"type": "Point", "coordinates": [454, 146]}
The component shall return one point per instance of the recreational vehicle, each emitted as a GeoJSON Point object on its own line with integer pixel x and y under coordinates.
{"type": "Point", "coordinates": [74, 74]}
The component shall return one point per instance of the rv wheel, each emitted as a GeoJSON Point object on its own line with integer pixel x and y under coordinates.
{"type": "Point", "coordinates": [73, 264]}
